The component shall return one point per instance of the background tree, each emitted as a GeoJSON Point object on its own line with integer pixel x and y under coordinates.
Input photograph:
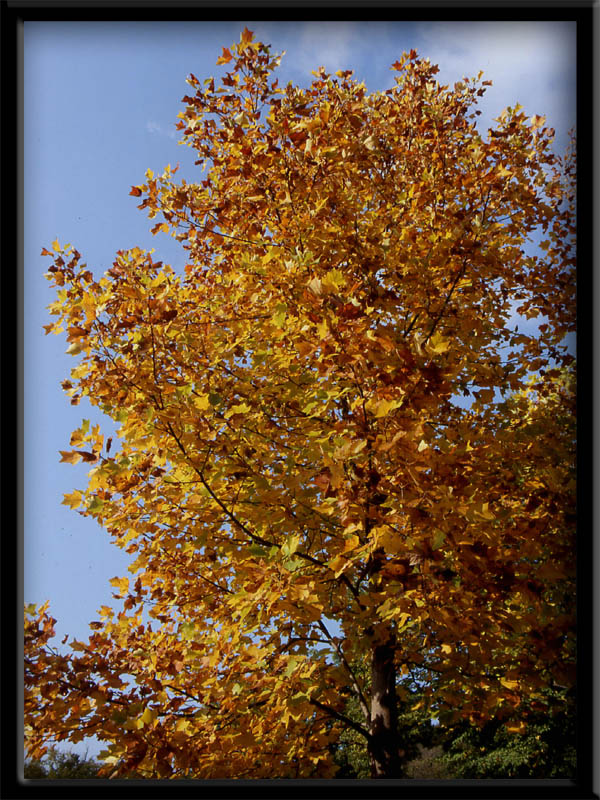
{"type": "Point", "coordinates": [61, 765]}
{"type": "Point", "coordinates": [430, 765]}
{"type": "Point", "coordinates": [545, 747]}
{"type": "Point", "coordinates": [295, 476]}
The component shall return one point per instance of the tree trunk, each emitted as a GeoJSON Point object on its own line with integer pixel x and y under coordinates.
{"type": "Point", "coordinates": [383, 744]}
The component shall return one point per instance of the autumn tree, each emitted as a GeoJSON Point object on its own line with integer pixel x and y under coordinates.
{"type": "Point", "coordinates": [335, 446]}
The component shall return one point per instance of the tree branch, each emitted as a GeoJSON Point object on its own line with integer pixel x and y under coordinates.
{"type": "Point", "coordinates": [342, 718]}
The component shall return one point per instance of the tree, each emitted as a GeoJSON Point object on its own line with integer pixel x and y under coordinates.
{"type": "Point", "coordinates": [429, 765]}
{"type": "Point", "coordinates": [63, 766]}
{"type": "Point", "coordinates": [299, 483]}
{"type": "Point", "coordinates": [414, 728]}
{"type": "Point", "coordinates": [546, 747]}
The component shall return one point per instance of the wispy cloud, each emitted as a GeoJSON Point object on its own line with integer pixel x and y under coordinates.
{"type": "Point", "coordinates": [156, 127]}
{"type": "Point", "coordinates": [327, 44]}
{"type": "Point", "coordinates": [532, 63]}
{"type": "Point", "coordinates": [310, 45]}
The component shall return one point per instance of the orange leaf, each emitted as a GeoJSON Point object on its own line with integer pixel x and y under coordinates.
{"type": "Point", "coordinates": [247, 36]}
{"type": "Point", "coordinates": [225, 58]}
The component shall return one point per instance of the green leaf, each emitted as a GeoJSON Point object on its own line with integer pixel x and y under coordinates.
{"type": "Point", "coordinates": [257, 550]}
{"type": "Point", "coordinates": [291, 666]}
{"type": "Point", "coordinates": [188, 630]}
{"type": "Point", "coordinates": [95, 505]}
{"type": "Point", "coordinates": [290, 546]}
{"type": "Point", "coordinates": [279, 315]}
{"type": "Point", "coordinates": [438, 540]}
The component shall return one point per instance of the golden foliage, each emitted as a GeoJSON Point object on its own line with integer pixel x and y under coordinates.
{"type": "Point", "coordinates": [291, 452]}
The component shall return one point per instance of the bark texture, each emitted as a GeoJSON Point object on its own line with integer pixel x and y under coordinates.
{"type": "Point", "coordinates": [383, 742]}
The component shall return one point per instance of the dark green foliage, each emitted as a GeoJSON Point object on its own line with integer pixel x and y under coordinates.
{"type": "Point", "coordinates": [547, 748]}
{"type": "Point", "coordinates": [60, 765]}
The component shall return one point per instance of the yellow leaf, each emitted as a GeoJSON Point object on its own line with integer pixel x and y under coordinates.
{"type": "Point", "coordinates": [402, 620]}
{"type": "Point", "coordinates": [509, 684]}
{"type": "Point", "coordinates": [447, 648]}
{"type": "Point", "coordinates": [337, 564]}
{"type": "Point", "coordinates": [202, 402]}
{"type": "Point", "coordinates": [122, 584]}
{"type": "Point", "coordinates": [391, 542]}
{"type": "Point", "coordinates": [72, 457]}
{"type": "Point", "coordinates": [72, 500]}
{"type": "Point", "coordinates": [381, 408]}
{"type": "Point", "coordinates": [242, 408]}
{"type": "Point", "coordinates": [516, 727]}
{"type": "Point", "coordinates": [149, 716]}
{"type": "Point", "coordinates": [351, 543]}
{"type": "Point", "coordinates": [437, 344]}
{"type": "Point", "coordinates": [333, 280]}
{"type": "Point", "coordinates": [56, 246]}
{"type": "Point", "coordinates": [291, 545]}
{"type": "Point", "coordinates": [271, 254]}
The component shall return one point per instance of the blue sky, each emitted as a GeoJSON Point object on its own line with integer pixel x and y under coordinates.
{"type": "Point", "coordinates": [101, 102]}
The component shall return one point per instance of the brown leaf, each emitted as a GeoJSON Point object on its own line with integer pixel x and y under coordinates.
{"type": "Point", "coordinates": [87, 457]}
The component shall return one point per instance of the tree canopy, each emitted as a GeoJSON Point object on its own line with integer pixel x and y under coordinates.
{"type": "Point", "coordinates": [335, 447]}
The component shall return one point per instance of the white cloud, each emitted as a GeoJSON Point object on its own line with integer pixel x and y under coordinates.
{"type": "Point", "coordinates": [532, 63]}
{"type": "Point", "coordinates": [309, 45]}
{"type": "Point", "coordinates": [327, 44]}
